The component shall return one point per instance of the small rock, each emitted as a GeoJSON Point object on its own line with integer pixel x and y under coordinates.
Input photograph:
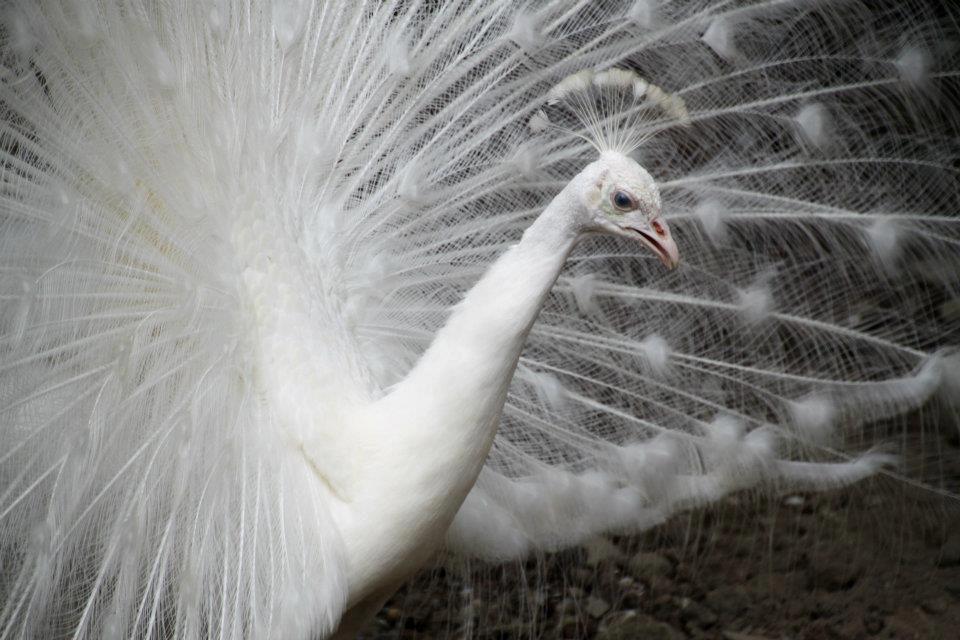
{"type": "Point", "coordinates": [596, 607]}
{"type": "Point", "coordinates": [935, 605]}
{"type": "Point", "coordinates": [950, 550]}
{"type": "Point", "coordinates": [660, 585]}
{"type": "Point", "coordinates": [392, 614]}
{"type": "Point", "coordinates": [952, 585]}
{"type": "Point", "coordinates": [732, 600]}
{"type": "Point", "coordinates": [632, 599]}
{"type": "Point", "coordinates": [696, 614]}
{"type": "Point", "coordinates": [636, 627]}
{"type": "Point", "coordinates": [609, 578]}
{"type": "Point", "coordinates": [601, 551]}
{"type": "Point", "coordinates": [651, 565]}
{"type": "Point", "coordinates": [833, 573]}
{"type": "Point", "coordinates": [779, 584]}
{"type": "Point", "coordinates": [795, 501]}
{"type": "Point", "coordinates": [873, 622]}
{"type": "Point", "coordinates": [821, 628]}
{"type": "Point", "coordinates": [571, 627]}
{"type": "Point", "coordinates": [910, 622]}
{"type": "Point", "coordinates": [790, 560]}
{"type": "Point", "coordinates": [507, 631]}
{"type": "Point", "coordinates": [567, 605]}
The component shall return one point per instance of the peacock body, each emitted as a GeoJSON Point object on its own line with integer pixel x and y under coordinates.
{"type": "Point", "coordinates": [294, 294]}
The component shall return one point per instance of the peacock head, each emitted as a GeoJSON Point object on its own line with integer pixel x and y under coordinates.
{"type": "Point", "coordinates": [624, 200]}
{"type": "Point", "coordinates": [612, 110]}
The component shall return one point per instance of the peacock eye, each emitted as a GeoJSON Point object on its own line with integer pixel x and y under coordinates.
{"type": "Point", "coordinates": [623, 200]}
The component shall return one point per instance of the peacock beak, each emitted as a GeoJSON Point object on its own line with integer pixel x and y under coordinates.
{"type": "Point", "coordinates": [656, 235]}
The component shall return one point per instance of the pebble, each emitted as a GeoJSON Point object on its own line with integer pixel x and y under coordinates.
{"type": "Point", "coordinates": [601, 551]}
{"type": "Point", "coordinates": [936, 605]}
{"type": "Point", "coordinates": [393, 614]}
{"type": "Point", "coordinates": [660, 585]}
{"type": "Point", "coordinates": [651, 565]}
{"type": "Point", "coordinates": [952, 585]}
{"type": "Point", "coordinates": [632, 599]}
{"type": "Point", "coordinates": [909, 623]}
{"type": "Point", "coordinates": [596, 607]}
{"type": "Point", "coordinates": [833, 573]}
{"type": "Point", "coordinates": [873, 622]}
{"type": "Point", "coordinates": [637, 627]}
{"type": "Point", "coordinates": [795, 501]}
{"type": "Point", "coordinates": [571, 627]}
{"type": "Point", "coordinates": [729, 600]}
{"type": "Point", "coordinates": [950, 550]}
{"type": "Point", "coordinates": [567, 605]}
{"type": "Point", "coordinates": [696, 614]}
{"type": "Point", "coordinates": [507, 630]}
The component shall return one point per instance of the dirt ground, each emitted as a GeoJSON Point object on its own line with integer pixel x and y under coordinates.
{"type": "Point", "coordinates": [878, 561]}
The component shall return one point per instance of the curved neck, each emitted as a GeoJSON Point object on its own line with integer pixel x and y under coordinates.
{"type": "Point", "coordinates": [430, 436]}
{"type": "Point", "coordinates": [471, 359]}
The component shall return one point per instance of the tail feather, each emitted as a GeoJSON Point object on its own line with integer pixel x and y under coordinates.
{"type": "Point", "coordinates": [386, 151]}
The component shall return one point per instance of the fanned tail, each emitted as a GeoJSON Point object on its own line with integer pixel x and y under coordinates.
{"type": "Point", "coordinates": [156, 158]}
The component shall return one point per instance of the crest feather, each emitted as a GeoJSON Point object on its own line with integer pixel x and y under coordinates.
{"type": "Point", "coordinates": [614, 109]}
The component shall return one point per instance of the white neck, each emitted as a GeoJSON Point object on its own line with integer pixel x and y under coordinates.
{"type": "Point", "coordinates": [471, 360]}
{"type": "Point", "coordinates": [430, 436]}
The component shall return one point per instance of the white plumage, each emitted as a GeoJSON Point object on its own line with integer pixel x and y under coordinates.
{"type": "Point", "coordinates": [292, 295]}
